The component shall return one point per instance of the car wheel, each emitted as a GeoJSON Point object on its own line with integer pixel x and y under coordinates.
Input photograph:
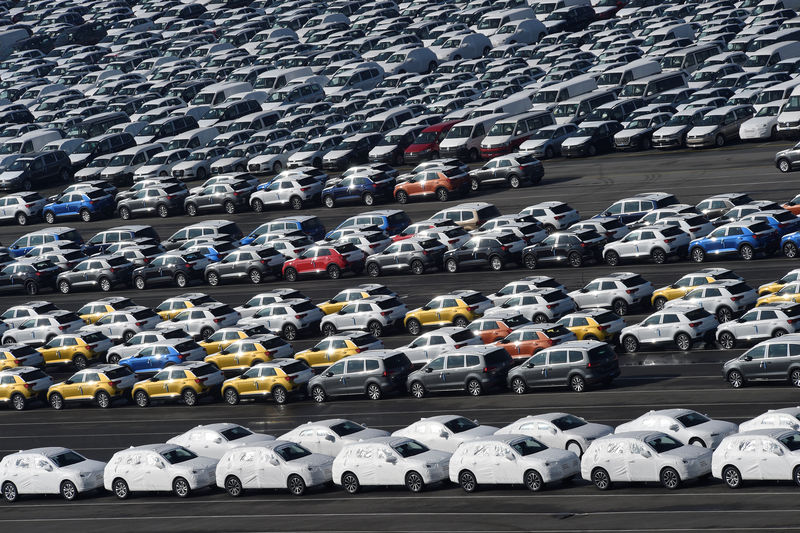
{"type": "Point", "coordinates": [189, 397]}
{"type": "Point", "coordinates": [697, 442]}
{"type": "Point", "coordinates": [49, 217]}
{"type": "Point", "coordinates": [113, 358]}
{"type": "Point", "coordinates": [460, 322]}
{"type": "Point", "coordinates": [575, 448]}
{"type": "Point", "coordinates": [417, 390]}
{"type": "Point", "coordinates": [329, 202]}
{"type": "Point", "coordinates": [374, 391]}
{"type": "Point", "coordinates": [719, 141]}
{"type": "Point", "coordinates": [518, 386]}
{"type": "Point", "coordinates": [474, 184]}
{"type": "Point", "coordinates": [68, 490]}
{"type": "Point", "coordinates": [630, 344]}
{"type": "Point", "coordinates": [56, 401]}
{"type": "Point", "coordinates": [162, 211]}
{"type": "Point", "coordinates": [191, 210]}
{"type": "Point", "coordinates": [442, 194]}
{"type": "Point", "coordinates": [124, 213]}
{"type": "Point", "coordinates": [120, 488]}
{"type": "Point", "coordinates": [577, 383]}
{"type": "Point", "coordinates": [212, 278]}
{"type": "Point", "coordinates": [318, 394]}
{"type": "Point", "coordinates": [732, 477]}
{"type": "Point", "coordinates": [368, 199]}
{"type": "Point", "coordinates": [601, 479]}
{"type": "Point", "coordinates": [529, 260]}
{"type": "Point", "coordinates": [683, 342]}
{"type": "Point", "coordinates": [533, 481]}
{"type": "Point", "coordinates": [467, 481]}
{"type": "Point", "coordinates": [334, 272]}
{"type": "Point", "coordinates": [735, 379]}
{"type": "Point", "coordinates": [257, 205]}
{"type": "Point", "coordinates": [205, 333]}
{"type": "Point", "coordinates": [620, 307]}
{"type": "Point", "coordinates": [612, 258]}
{"type": "Point", "coordinates": [746, 252]}
{"type": "Point", "coordinates": [413, 326]}
{"type": "Point", "coordinates": [592, 150]}
{"type": "Point", "coordinates": [19, 402]}
{"type": "Point", "coordinates": [233, 486]}
{"type": "Point", "coordinates": [659, 303]}
{"type": "Point", "coordinates": [231, 396]}
{"type": "Point", "coordinates": [296, 203]}
{"type": "Point", "coordinates": [296, 485]}
{"type": "Point", "coordinates": [401, 197]}
{"type": "Point", "coordinates": [670, 478]}
{"type": "Point", "coordinates": [9, 340]}
{"type": "Point", "coordinates": [290, 274]}
{"type": "Point", "coordinates": [328, 329]}
{"type": "Point", "coordinates": [31, 288]}
{"type": "Point", "coordinates": [474, 156]}
{"type": "Point", "coordinates": [796, 475]}
{"type": "Point", "coordinates": [127, 335]}
{"type": "Point", "coordinates": [417, 267]}
{"type": "Point", "coordinates": [255, 276]}
{"type": "Point", "coordinates": [181, 487]}
{"type": "Point", "coordinates": [350, 483]}
{"type": "Point", "coordinates": [181, 280]}
{"type": "Point", "coordinates": [139, 283]}
{"type": "Point", "coordinates": [790, 250]}
{"type": "Point", "coordinates": [724, 314]}
{"type": "Point", "coordinates": [658, 256]}
{"type": "Point", "coordinates": [548, 152]}
{"type": "Point", "coordinates": [86, 216]}
{"type": "Point", "coordinates": [726, 340]}
{"type": "Point", "coordinates": [105, 284]}
{"type": "Point", "coordinates": [373, 270]}
{"type": "Point", "coordinates": [496, 263]}
{"type": "Point", "coordinates": [474, 387]}
{"type": "Point", "coordinates": [102, 399]}
{"type": "Point", "coordinates": [289, 332]}
{"type": "Point", "coordinates": [375, 328]}
{"type": "Point", "coordinates": [80, 362]}
{"type": "Point", "coordinates": [794, 377]}
{"type": "Point", "coordinates": [414, 482]}
{"type": "Point", "coordinates": [698, 255]}
{"type": "Point", "coordinates": [784, 165]}
{"type": "Point", "coordinates": [141, 398]}
{"type": "Point", "coordinates": [277, 167]}
{"type": "Point", "coordinates": [451, 265]}
{"type": "Point", "coordinates": [22, 219]}
{"type": "Point", "coordinates": [230, 207]}
{"type": "Point", "coordinates": [575, 260]}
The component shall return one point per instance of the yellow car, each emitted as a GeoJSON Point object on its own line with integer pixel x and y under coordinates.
{"type": "Point", "coordinates": [186, 381]}
{"type": "Point", "coordinates": [593, 324]}
{"type": "Point", "coordinates": [75, 349]}
{"type": "Point", "coordinates": [222, 338]}
{"type": "Point", "coordinates": [169, 308]}
{"type": "Point", "coordinates": [331, 349]}
{"type": "Point", "coordinates": [240, 355]}
{"type": "Point", "coordinates": [23, 384]}
{"type": "Point", "coordinates": [93, 311]}
{"type": "Point", "coordinates": [100, 385]}
{"type": "Point", "coordinates": [456, 309]}
{"type": "Point", "coordinates": [679, 289]}
{"type": "Point", "coordinates": [279, 378]}
{"type": "Point", "coordinates": [335, 304]}
{"type": "Point", "coordinates": [15, 355]}
{"type": "Point", "coordinates": [775, 286]}
{"type": "Point", "coordinates": [788, 293]}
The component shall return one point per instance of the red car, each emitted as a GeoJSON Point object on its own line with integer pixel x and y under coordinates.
{"type": "Point", "coordinates": [426, 144]}
{"type": "Point", "coordinates": [330, 260]}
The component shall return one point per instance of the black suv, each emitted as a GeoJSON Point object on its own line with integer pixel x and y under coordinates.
{"type": "Point", "coordinates": [416, 255]}
{"type": "Point", "coordinates": [494, 250]}
{"type": "Point", "coordinates": [565, 248]}
{"type": "Point", "coordinates": [28, 276]}
{"type": "Point", "coordinates": [36, 168]}
{"type": "Point", "coordinates": [176, 269]}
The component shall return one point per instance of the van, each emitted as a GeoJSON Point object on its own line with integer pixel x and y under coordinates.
{"type": "Point", "coordinates": [223, 114]}
{"type": "Point", "coordinates": [776, 93]}
{"type": "Point", "coordinates": [33, 141]}
{"type": "Point", "coordinates": [388, 120]}
{"type": "Point", "coordinates": [9, 38]}
{"type": "Point", "coordinates": [96, 125]}
{"type": "Point", "coordinates": [360, 78]}
{"type": "Point", "coordinates": [463, 141]}
{"type": "Point", "coordinates": [36, 169]}
{"type": "Point", "coordinates": [651, 86]}
{"type": "Point", "coordinates": [469, 215]}
{"type": "Point", "coordinates": [280, 77]}
{"type": "Point", "coordinates": [789, 117]}
{"type": "Point", "coordinates": [108, 143]}
{"type": "Point", "coordinates": [690, 58]}
{"type": "Point", "coordinates": [165, 128]}
{"type": "Point", "coordinates": [492, 21]}
{"type": "Point", "coordinates": [524, 31]}
{"type": "Point", "coordinates": [781, 36]}
{"type": "Point", "coordinates": [508, 133]}
{"type": "Point", "coordinates": [577, 109]}
{"type": "Point", "coordinates": [767, 56]}
{"type": "Point", "coordinates": [622, 75]}
{"type": "Point", "coordinates": [193, 139]}
{"type": "Point", "coordinates": [545, 7]}
{"type": "Point", "coordinates": [666, 33]}
{"type": "Point", "coordinates": [548, 97]}
{"type": "Point", "coordinates": [122, 166]}
{"type": "Point", "coordinates": [359, 374]}
{"type": "Point", "coordinates": [256, 121]}
{"type": "Point", "coordinates": [512, 105]}
{"type": "Point", "coordinates": [217, 93]}
{"type": "Point", "coordinates": [426, 144]}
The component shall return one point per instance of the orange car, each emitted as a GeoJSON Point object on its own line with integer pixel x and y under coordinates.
{"type": "Point", "coordinates": [437, 183]}
{"type": "Point", "coordinates": [793, 205]}
{"type": "Point", "coordinates": [494, 328]}
{"type": "Point", "coordinates": [527, 340]}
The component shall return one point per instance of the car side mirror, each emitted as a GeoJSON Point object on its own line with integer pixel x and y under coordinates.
{"type": "Point", "coordinates": [428, 370]}
{"type": "Point", "coordinates": [273, 461]}
{"type": "Point", "coordinates": [511, 457]}
{"type": "Point", "coordinates": [645, 453]}
{"type": "Point", "coordinates": [674, 427]}
{"type": "Point", "coordinates": [330, 438]}
{"type": "Point", "coordinates": [444, 435]}
{"type": "Point", "coordinates": [218, 440]}
{"type": "Point", "coordinates": [69, 382]}
{"type": "Point", "coordinates": [154, 379]}
{"type": "Point", "coordinates": [391, 459]}
{"type": "Point", "coordinates": [160, 465]}
{"type": "Point", "coordinates": [584, 291]}
{"type": "Point", "coordinates": [328, 374]}
{"type": "Point", "coordinates": [244, 377]}
{"type": "Point", "coordinates": [530, 365]}
{"type": "Point", "coordinates": [748, 358]}
{"type": "Point", "coordinates": [425, 308]}
{"type": "Point", "coordinates": [47, 467]}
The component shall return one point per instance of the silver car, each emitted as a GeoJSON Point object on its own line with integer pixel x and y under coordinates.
{"type": "Point", "coordinates": [618, 292]}
{"type": "Point", "coordinates": [123, 324]}
{"type": "Point", "coordinates": [202, 321]}
{"type": "Point", "coordinates": [725, 298]}
{"type": "Point", "coordinates": [287, 318]}
{"type": "Point", "coordinates": [263, 299]}
{"type": "Point", "coordinates": [39, 330]}
{"type": "Point", "coordinates": [681, 326]}
{"type": "Point", "coordinates": [655, 242]}
{"type": "Point", "coordinates": [538, 305]}
{"type": "Point", "coordinates": [432, 343]}
{"type": "Point", "coordinates": [295, 192]}
{"type": "Point", "coordinates": [374, 314]}
{"type": "Point", "coordinates": [197, 165]}
{"type": "Point", "coordinates": [515, 287]}
{"type": "Point", "coordinates": [22, 207]}
{"type": "Point", "coordinates": [553, 215]}
{"type": "Point", "coordinates": [274, 158]}
{"type": "Point", "coordinates": [761, 323]}
{"type": "Point", "coordinates": [142, 339]}
{"type": "Point", "coordinates": [16, 315]}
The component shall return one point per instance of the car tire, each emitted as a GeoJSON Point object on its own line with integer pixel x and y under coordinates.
{"type": "Point", "coordinates": [630, 344]}
{"type": "Point", "coordinates": [290, 274]}
{"type": "Point", "coordinates": [601, 479]}
{"type": "Point", "coordinates": [474, 387]}
{"type": "Point", "coordinates": [548, 152]}
{"type": "Point", "coordinates": [9, 340]}
{"type": "Point", "coordinates": [575, 448]}
{"type": "Point", "coordinates": [735, 379]}
{"type": "Point", "coordinates": [659, 302]}
{"type": "Point", "coordinates": [467, 481]}
{"type": "Point", "coordinates": [277, 168]}
{"type": "Point", "coordinates": [683, 342]}
{"type": "Point", "coordinates": [296, 203]}
{"type": "Point", "coordinates": [31, 288]}
{"type": "Point", "coordinates": [318, 394]}
{"type": "Point", "coordinates": [56, 401]}
{"type": "Point", "coordinates": [104, 284]}
{"type": "Point", "coordinates": [726, 340]}
{"type": "Point", "coordinates": [10, 492]}
{"type": "Point", "coordinates": [694, 441]}
{"type": "Point", "coordinates": [724, 314]}
{"type": "Point", "coordinates": [334, 272]}
{"type": "Point", "coordinates": [780, 332]}
{"type": "Point", "coordinates": [670, 478]}
{"type": "Point", "coordinates": [414, 482]}
{"type": "Point", "coordinates": [68, 490]}
{"type": "Point", "coordinates": [719, 141]}
{"type": "Point", "coordinates": [205, 333]}
{"type": "Point", "coordinates": [518, 386]}
{"type": "Point", "coordinates": [796, 475]}
{"type": "Point", "coordinates": [113, 358]}
{"type": "Point", "coordinates": [533, 481]}
{"type": "Point", "coordinates": [375, 329]}
{"type": "Point", "coordinates": [592, 150]}
{"type": "Point", "coordinates": [658, 256]}
{"type": "Point", "coordinates": [127, 335]}
{"type": "Point", "coordinates": [141, 398]}
{"type": "Point", "coordinates": [575, 260]}
{"type": "Point", "coordinates": [296, 485]}
{"type": "Point", "coordinates": [697, 255]}
{"type": "Point", "coordinates": [329, 202]}
{"type": "Point", "coordinates": [577, 383]}
{"type": "Point", "coordinates": [231, 396]}
{"type": "Point", "coordinates": [328, 329]}
{"type": "Point", "coordinates": [102, 399]}
{"type": "Point", "coordinates": [374, 391]}
{"type": "Point", "coordinates": [80, 362]}
{"type": "Point", "coordinates": [22, 219]}
{"type": "Point", "coordinates": [162, 211]}
{"type": "Point", "coordinates": [86, 215]}
{"type": "Point", "coordinates": [746, 252]}
{"type": "Point", "coordinates": [181, 280]}
{"type": "Point", "coordinates": [229, 207]}
{"type": "Point", "coordinates": [612, 258]}
{"type": "Point", "coordinates": [120, 489]}
{"type": "Point", "coordinates": [451, 265]}
{"type": "Point", "coordinates": [460, 322]}
{"type": "Point", "coordinates": [139, 283]}
{"type": "Point", "coordinates": [417, 267]}
{"type": "Point", "coordinates": [212, 278]}
{"type": "Point", "coordinates": [257, 206]}
{"type": "Point", "coordinates": [189, 397]}
{"type": "Point", "coordinates": [619, 307]}
{"type": "Point", "coordinates": [233, 486]}
{"type": "Point", "coordinates": [784, 165]}
{"type": "Point", "coordinates": [63, 287]}
{"type": "Point", "coordinates": [350, 483]}
{"type": "Point", "coordinates": [401, 197]}
{"type": "Point", "coordinates": [474, 184]}
{"type": "Point", "coordinates": [368, 199]}
{"type": "Point", "coordinates": [181, 487]}
{"type": "Point", "coordinates": [373, 269]}
{"type": "Point", "coordinates": [732, 477]}
{"type": "Point", "coordinates": [790, 250]}
{"type": "Point", "coordinates": [49, 217]}
{"type": "Point", "coordinates": [495, 263]}
{"type": "Point", "coordinates": [124, 213]}
{"type": "Point", "coordinates": [191, 210]}
{"type": "Point", "coordinates": [540, 318]}
{"type": "Point", "coordinates": [794, 377]}
{"type": "Point", "coordinates": [255, 276]}
{"type": "Point", "coordinates": [514, 181]}
{"type": "Point", "coordinates": [413, 326]}
{"type": "Point", "coordinates": [529, 260]}
{"type": "Point", "coordinates": [442, 194]}
{"type": "Point", "coordinates": [289, 332]}
{"type": "Point", "coordinates": [417, 390]}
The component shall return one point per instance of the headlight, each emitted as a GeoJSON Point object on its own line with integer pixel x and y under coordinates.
{"type": "Point", "coordinates": [86, 474]}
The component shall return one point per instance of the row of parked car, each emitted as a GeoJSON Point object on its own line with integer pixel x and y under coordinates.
{"type": "Point", "coordinates": [670, 446]}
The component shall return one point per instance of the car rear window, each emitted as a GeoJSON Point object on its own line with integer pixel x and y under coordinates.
{"type": "Point", "coordinates": [785, 217]}
{"type": "Point", "coordinates": [556, 331]}
{"type": "Point", "coordinates": [33, 375]}
{"type": "Point", "coordinates": [190, 257]}
{"type": "Point", "coordinates": [399, 218]}
{"type": "Point", "coordinates": [507, 238]}
{"type": "Point", "coordinates": [455, 232]}
{"type": "Point", "coordinates": [671, 231]}
{"type": "Point", "coordinates": [375, 237]}
{"type": "Point", "coordinates": [601, 354]}
{"type": "Point", "coordinates": [230, 229]}
{"type": "Point", "coordinates": [204, 370]}
{"type": "Point", "coordinates": [295, 368]}
{"type": "Point", "coordinates": [553, 296]}
{"type": "Point", "coordinates": [304, 306]}
{"type": "Point", "coordinates": [389, 303]}
{"type": "Point", "coordinates": [94, 337]}
{"type": "Point", "coordinates": [450, 172]}
{"type": "Point", "coordinates": [187, 346]}
{"type": "Point", "coordinates": [22, 351]}
{"type": "Point", "coordinates": [528, 229]}
{"type": "Point", "coordinates": [239, 185]}
{"type": "Point", "coordinates": [43, 265]}
{"type": "Point", "coordinates": [697, 314]}
{"type": "Point", "coordinates": [396, 362]}
{"type": "Point", "coordinates": [69, 256]}
{"type": "Point", "coordinates": [588, 235]}
{"type": "Point", "coordinates": [792, 311]}
{"type": "Point", "coordinates": [144, 313]}
{"type": "Point", "coordinates": [523, 159]}
{"type": "Point", "coordinates": [272, 342]}
{"type": "Point", "coordinates": [172, 189]}
{"type": "Point", "coordinates": [221, 310]}
{"type": "Point", "coordinates": [32, 197]}
{"type": "Point", "coordinates": [363, 340]}
{"type": "Point", "coordinates": [474, 298]}
{"type": "Point", "coordinates": [117, 261]}
{"type": "Point", "coordinates": [739, 288]}
{"type": "Point", "coordinates": [496, 357]}
{"type": "Point", "coordinates": [758, 227]}
{"type": "Point", "coordinates": [462, 336]}
{"type": "Point", "coordinates": [71, 235]}
{"type": "Point", "coordinates": [268, 252]}
{"type": "Point", "coordinates": [667, 200]}
{"type": "Point", "coordinates": [561, 208]}
{"type": "Point", "coordinates": [174, 334]}
{"type": "Point", "coordinates": [430, 243]}
{"type": "Point", "coordinates": [612, 224]}
{"type": "Point", "coordinates": [488, 212]}
{"type": "Point", "coordinates": [515, 321]}
{"type": "Point", "coordinates": [633, 281]}
{"type": "Point", "coordinates": [605, 318]}
{"type": "Point", "coordinates": [46, 308]}
{"type": "Point", "coordinates": [66, 318]}
{"type": "Point", "coordinates": [345, 248]}
{"type": "Point", "coordinates": [311, 224]}
{"type": "Point", "coordinates": [117, 373]}
{"type": "Point", "coordinates": [95, 194]}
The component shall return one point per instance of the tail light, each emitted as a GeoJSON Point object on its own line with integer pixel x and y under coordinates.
{"type": "Point", "coordinates": [217, 320]}
{"type": "Point", "coordinates": [27, 385]}
{"type": "Point", "coordinates": [694, 229]}
{"type": "Point", "coordinates": [146, 259]}
{"type": "Point", "coordinates": [187, 265]}
{"type": "Point", "coordinates": [452, 241]}
{"type": "Point", "coordinates": [695, 324]}
{"type": "Point", "coordinates": [385, 313]}
{"type": "Point", "coordinates": [669, 240]}
{"type": "Point", "coordinates": [28, 205]}
{"type": "Point", "coordinates": [301, 315]}
{"type": "Point", "coordinates": [170, 197]}
{"type": "Point", "coordinates": [200, 380]}
{"type": "Point", "coordinates": [236, 193]}
{"type": "Point", "coordinates": [630, 291]}
{"type": "Point", "coordinates": [38, 273]}
{"type": "Point", "coordinates": [140, 323]}
{"type": "Point", "coordinates": [559, 217]}
{"type": "Point", "coordinates": [62, 328]}
{"type": "Point", "coordinates": [298, 250]}
{"type": "Point", "coordinates": [17, 361]}
{"type": "Point", "coordinates": [358, 350]}
{"type": "Point", "coordinates": [424, 252]}
{"type": "Point", "coordinates": [488, 369]}
{"type": "Point", "coordinates": [505, 248]}
{"type": "Point", "coordinates": [781, 226]}
{"type": "Point", "coordinates": [550, 306]}
{"type": "Point", "coordinates": [290, 378]}
{"type": "Point", "coordinates": [91, 202]}
{"type": "Point", "coordinates": [304, 189]}
{"type": "Point", "coordinates": [385, 374]}
{"type": "Point", "coordinates": [457, 346]}
{"type": "Point", "coordinates": [373, 246]}
{"type": "Point", "coordinates": [602, 328]}
{"type": "Point", "coordinates": [472, 308]}
{"type": "Point", "coordinates": [114, 383]}
{"type": "Point", "coordinates": [736, 298]}
{"type": "Point", "coordinates": [112, 270]}
{"type": "Point", "coordinates": [91, 346]}
{"type": "Point", "coordinates": [589, 365]}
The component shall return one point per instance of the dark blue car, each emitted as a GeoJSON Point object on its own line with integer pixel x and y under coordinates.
{"type": "Point", "coordinates": [632, 209]}
{"type": "Point", "coordinates": [390, 221]}
{"type": "Point", "coordinates": [153, 358]}
{"type": "Point", "coordinates": [87, 205]}
{"type": "Point", "coordinates": [745, 239]}
{"type": "Point", "coordinates": [355, 189]}
{"type": "Point", "coordinates": [24, 244]}
{"type": "Point", "coordinates": [308, 224]}
{"type": "Point", "coordinates": [781, 220]}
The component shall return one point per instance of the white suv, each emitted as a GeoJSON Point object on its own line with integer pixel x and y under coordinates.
{"type": "Point", "coordinates": [201, 322]}
{"type": "Point", "coordinates": [295, 192]}
{"type": "Point", "coordinates": [679, 325]}
{"type": "Point", "coordinates": [763, 322]}
{"type": "Point", "coordinates": [538, 305]}
{"type": "Point", "coordinates": [432, 343]}
{"type": "Point", "coordinates": [263, 299]}
{"type": "Point", "coordinates": [374, 314]}
{"type": "Point", "coordinates": [286, 318]}
{"type": "Point", "coordinates": [553, 215]}
{"type": "Point", "coordinates": [39, 330]}
{"type": "Point", "coordinates": [617, 291]}
{"type": "Point", "coordinates": [724, 298]}
{"type": "Point", "coordinates": [654, 242]}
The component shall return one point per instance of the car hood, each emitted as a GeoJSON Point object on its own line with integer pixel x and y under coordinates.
{"type": "Point", "coordinates": [89, 465]}
{"type": "Point", "coordinates": [9, 175]}
{"type": "Point", "coordinates": [703, 130]}
{"type": "Point", "coordinates": [592, 431]}
{"type": "Point", "coordinates": [576, 141]}
{"type": "Point", "coordinates": [366, 434]}
{"type": "Point", "coordinates": [430, 457]}
{"type": "Point", "coordinates": [624, 134]}
{"type": "Point", "coordinates": [670, 130]}
{"type": "Point", "coordinates": [337, 154]}
{"type": "Point", "coordinates": [533, 143]}
{"type": "Point", "coordinates": [759, 122]}
{"type": "Point", "coordinates": [381, 150]}
{"type": "Point", "coordinates": [474, 433]}
{"type": "Point", "coordinates": [78, 158]}
{"type": "Point", "coordinates": [715, 426]}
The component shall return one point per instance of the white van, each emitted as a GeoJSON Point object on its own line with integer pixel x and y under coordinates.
{"type": "Point", "coordinates": [122, 166]}
{"type": "Point", "coordinates": [216, 93]}
{"type": "Point", "coordinates": [776, 93]}
{"type": "Point", "coordinates": [789, 117]}
{"type": "Point", "coordinates": [545, 7]}
{"type": "Point", "coordinates": [651, 86]}
{"type": "Point", "coordinates": [193, 139]}
{"type": "Point", "coordinates": [508, 133]}
{"type": "Point", "coordinates": [492, 21]}
{"type": "Point", "coordinates": [781, 36]}
{"type": "Point", "coordinates": [511, 105]}
{"type": "Point", "coordinates": [359, 78]}
{"type": "Point", "coordinates": [463, 141]}
{"type": "Point", "coordinates": [762, 59]}
{"type": "Point", "coordinates": [523, 31]}
{"type": "Point", "coordinates": [549, 96]}
{"type": "Point", "coordinates": [620, 76]}
{"type": "Point", "coordinates": [280, 77]}
{"type": "Point", "coordinates": [576, 109]}
{"type": "Point", "coordinates": [256, 121]}
{"type": "Point", "coordinates": [666, 33]}
{"type": "Point", "coordinates": [33, 141]}
{"type": "Point", "coordinates": [388, 120]}
{"type": "Point", "coordinates": [690, 58]}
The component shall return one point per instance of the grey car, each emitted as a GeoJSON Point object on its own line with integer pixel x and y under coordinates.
{"type": "Point", "coordinates": [245, 264]}
{"type": "Point", "coordinates": [771, 360]}
{"type": "Point", "coordinates": [373, 373]}
{"type": "Point", "coordinates": [123, 324]}
{"type": "Point", "coordinates": [374, 314]}
{"type": "Point", "coordinates": [229, 197]}
{"type": "Point", "coordinates": [158, 200]}
{"type": "Point", "coordinates": [103, 272]}
{"type": "Point", "coordinates": [473, 369]}
{"type": "Point", "coordinates": [415, 255]}
{"type": "Point", "coordinates": [294, 191]}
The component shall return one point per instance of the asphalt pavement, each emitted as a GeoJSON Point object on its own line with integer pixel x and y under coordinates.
{"type": "Point", "coordinates": [650, 380]}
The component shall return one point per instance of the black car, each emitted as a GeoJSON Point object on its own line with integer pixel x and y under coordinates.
{"type": "Point", "coordinates": [416, 255]}
{"type": "Point", "coordinates": [512, 170]}
{"type": "Point", "coordinates": [351, 151]}
{"type": "Point", "coordinates": [159, 200]}
{"type": "Point", "coordinates": [106, 143]}
{"type": "Point", "coordinates": [569, 19]}
{"type": "Point", "coordinates": [36, 169]}
{"type": "Point", "coordinates": [591, 138]}
{"type": "Point", "coordinates": [166, 269]}
{"type": "Point", "coordinates": [565, 248]}
{"type": "Point", "coordinates": [494, 250]}
{"type": "Point", "coordinates": [28, 276]}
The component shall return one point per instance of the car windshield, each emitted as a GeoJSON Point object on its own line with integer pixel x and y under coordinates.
{"type": "Point", "coordinates": [290, 452]}
{"type": "Point", "coordinates": [710, 120]}
{"type": "Point", "coordinates": [565, 110]}
{"type": "Point", "coordinates": [20, 164]}
{"type": "Point", "coordinates": [236, 432]}
{"type": "Point", "coordinates": [528, 446]}
{"type": "Point", "coordinates": [586, 132]}
{"type": "Point", "coordinates": [410, 448]}
{"type": "Point", "coordinates": [541, 134]}
{"type": "Point", "coordinates": [457, 425]}
{"type": "Point", "coordinates": [769, 111]}
{"type": "Point", "coordinates": [426, 137]}
{"type": "Point", "coordinates": [568, 422]}
{"type": "Point", "coordinates": [791, 441]}
{"type": "Point", "coordinates": [346, 428]}
{"type": "Point", "coordinates": [663, 443]}
{"type": "Point", "coordinates": [637, 124]}
{"type": "Point", "coordinates": [86, 147]}
{"type": "Point", "coordinates": [178, 455]}
{"type": "Point", "coordinates": [121, 160]}
{"type": "Point", "coordinates": [502, 128]}
{"type": "Point", "coordinates": [679, 120]}
{"type": "Point", "coordinates": [66, 459]}
{"type": "Point", "coordinates": [692, 419]}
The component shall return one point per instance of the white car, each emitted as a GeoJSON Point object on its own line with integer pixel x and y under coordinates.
{"type": "Point", "coordinates": [158, 468]}
{"type": "Point", "coordinates": [432, 343]}
{"type": "Point", "coordinates": [538, 305]}
{"type": "Point", "coordinates": [762, 323]}
{"type": "Point", "coordinates": [763, 126]}
{"type": "Point", "coordinates": [680, 326]}
{"type": "Point", "coordinates": [273, 465]}
{"type": "Point", "coordinates": [786, 418]}
{"type": "Point", "coordinates": [643, 456]}
{"type": "Point", "coordinates": [275, 157]}
{"type": "Point", "coordinates": [49, 471]}
{"type": "Point", "coordinates": [214, 440]}
{"type": "Point", "coordinates": [445, 432]}
{"type": "Point", "coordinates": [654, 242]}
{"type": "Point", "coordinates": [419, 60]}
{"type": "Point", "coordinates": [463, 46]}
{"type": "Point", "coordinates": [763, 454]}
{"type": "Point", "coordinates": [389, 461]}
{"type": "Point", "coordinates": [375, 314]}
{"type": "Point", "coordinates": [197, 165]}
{"type": "Point", "coordinates": [160, 165]}
{"type": "Point", "coordinates": [559, 430]}
{"type": "Point", "coordinates": [262, 299]}
{"type": "Point", "coordinates": [294, 191]}
{"type": "Point", "coordinates": [515, 287]}
{"type": "Point", "coordinates": [330, 436]}
{"type": "Point", "coordinates": [725, 298]}
{"type": "Point", "coordinates": [684, 424]}
{"type": "Point", "coordinates": [39, 330]}
{"type": "Point", "coordinates": [510, 459]}
{"type": "Point", "coordinates": [313, 151]}
{"type": "Point", "coordinates": [553, 215]}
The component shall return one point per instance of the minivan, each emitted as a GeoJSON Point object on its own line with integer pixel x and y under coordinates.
{"type": "Point", "coordinates": [33, 141]}
{"type": "Point", "coordinates": [651, 86]}
{"type": "Point", "coordinates": [387, 120]}
{"type": "Point", "coordinates": [373, 373]}
{"type": "Point", "coordinates": [767, 56]}
{"type": "Point", "coordinates": [548, 97]}
{"type": "Point", "coordinates": [217, 93]}
{"type": "Point", "coordinates": [222, 114]}
{"type": "Point", "coordinates": [473, 369]}
{"type": "Point", "coordinates": [577, 109]}
{"type": "Point", "coordinates": [426, 144]}
{"type": "Point", "coordinates": [275, 79]}
{"type": "Point", "coordinates": [508, 133]}
{"type": "Point", "coordinates": [359, 78]}
{"type": "Point", "coordinates": [622, 75]}
{"type": "Point", "coordinates": [122, 166]}
{"type": "Point", "coordinates": [463, 141]}
{"type": "Point", "coordinates": [690, 58]}
{"type": "Point", "coordinates": [193, 139]}
{"type": "Point", "coordinates": [36, 169]}
{"type": "Point", "coordinates": [97, 124]}
{"type": "Point", "coordinates": [511, 105]}
{"type": "Point", "coordinates": [784, 362]}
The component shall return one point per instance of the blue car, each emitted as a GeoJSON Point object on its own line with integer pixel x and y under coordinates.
{"type": "Point", "coordinates": [87, 205]}
{"type": "Point", "coordinates": [745, 239]}
{"type": "Point", "coordinates": [781, 220]}
{"type": "Point", "coordinates": [308, 224]}
{"type": "Point", "coordinates": [151, 359]}
{"type": "Point", "coordinates": [632, 209]}
{"type": "Point", "coordinates": [354, 189]}
{"type": "Point", "coordinates": [390, 221]}
{"type": "Point", "coordinates": [24, 244]}
{"type": "Point", "coordinates": [790, 244]}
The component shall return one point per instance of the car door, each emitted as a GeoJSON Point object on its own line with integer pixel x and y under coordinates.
{"type": "Point", "coordinates": [454, 374]}
{"type": "Point", "coordinates": [335, 381]}
{"type": "Point", "coordinates": [641, 466]}
{"type": "Point", "coordinates": [355, 376]}
{"type": "Point", "coordinates": [776, 365]}
{"type": "Point", "coordinates": [649, 330]}
{"type": "Point", "coordinates": [774, 463]}
{"type": "Point", "coordinates": [747, 327]}
{"type": "Point", "coordinates": [433, 377]}
{"type": "Point", "coordinates": [545, 252]}
{"type": "Point", "coordinates": [733, 236]}
{"type": "Point", "coordinates": [557, 368]}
